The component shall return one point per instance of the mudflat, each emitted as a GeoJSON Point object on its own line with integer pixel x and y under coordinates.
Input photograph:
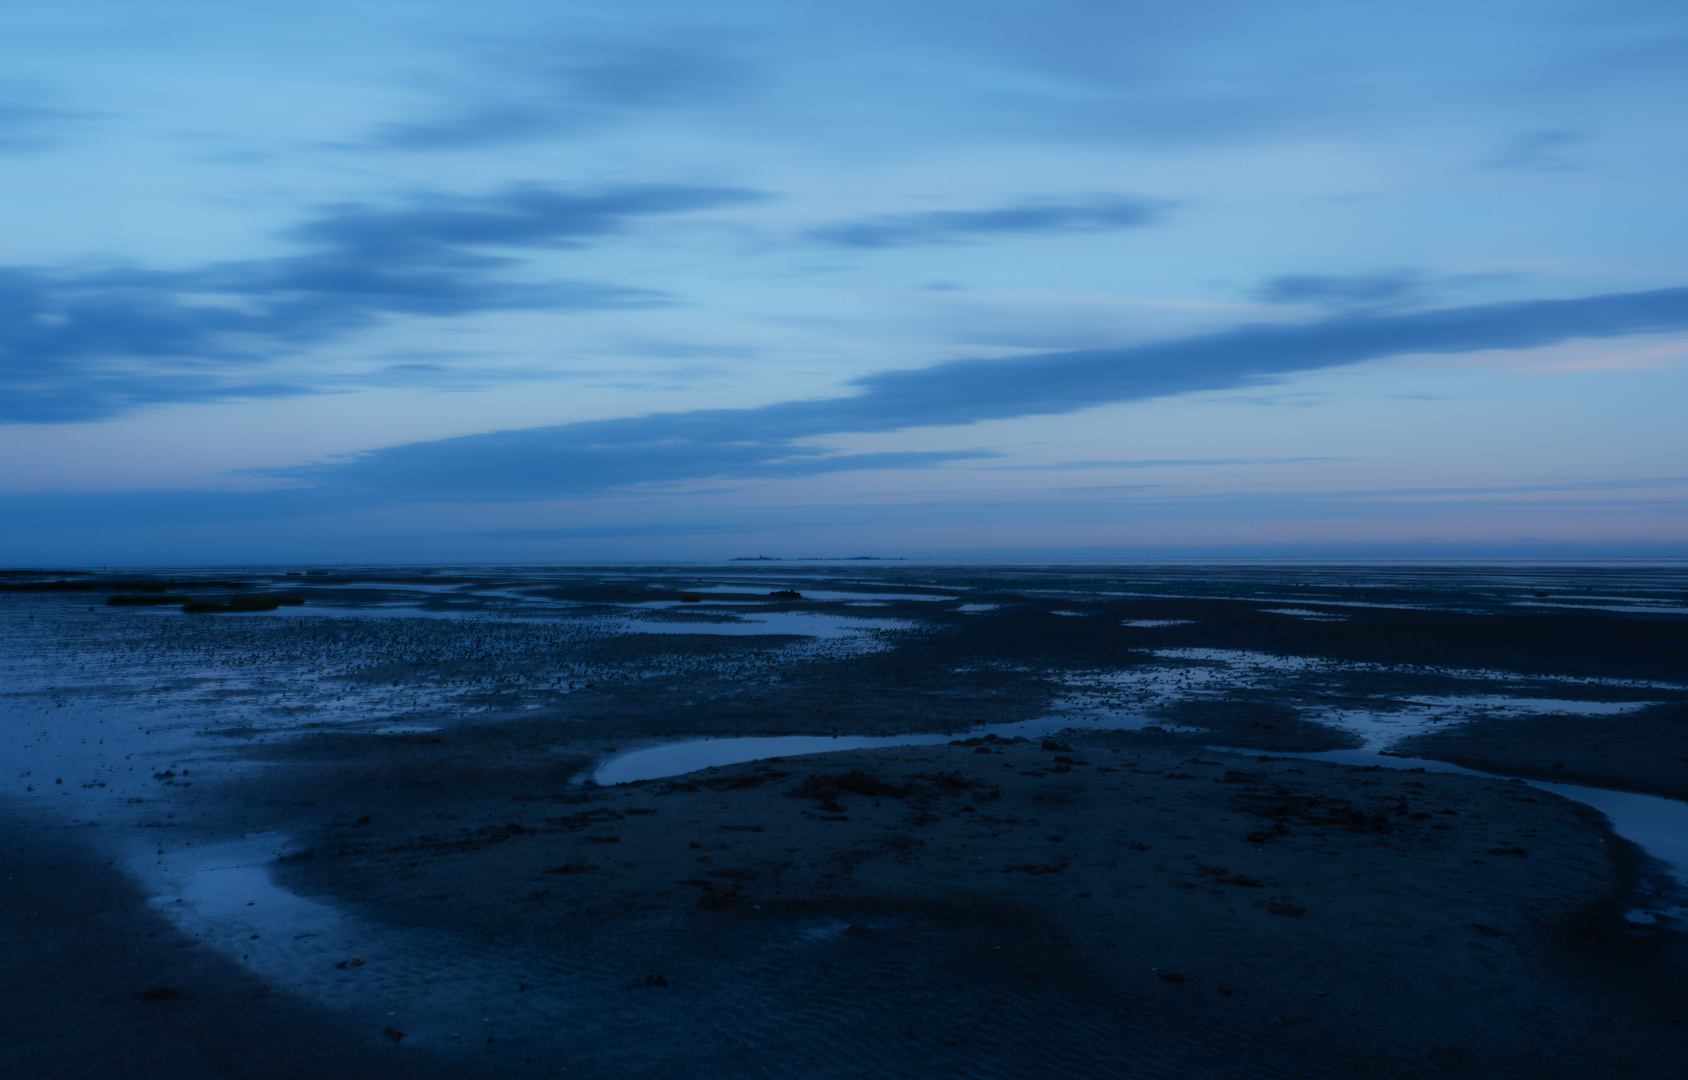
{"type": "Point", "coordinates": [1084, 908]}
{"type": "Point", "coordinates": [1102, 860]}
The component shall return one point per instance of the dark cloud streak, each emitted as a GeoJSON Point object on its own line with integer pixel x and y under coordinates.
{"type": "Point", "coordinates": [1097, 214]}
{"type": "Point", "coordinates": [1157, 463]}
{"type": "Point", "coordinates": [27, 125]}
{"type": "Point", "coordinates": [81, 345]}
{"type": "Point", "coordinates": [1549, 150]}
{"type": "Point", "coordinates": [668, 448]}
{"type": "Point", "coordinates": [1356, 292]}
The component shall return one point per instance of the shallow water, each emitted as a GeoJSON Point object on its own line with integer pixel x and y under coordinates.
{"type": "Point", "coordinates": [819, 594]}
{"type": "Point", "coordinates": [689, 755]}
{"type": "Point", "coordinates": [433, 985]}
{"type": "Point", "coordinates": [800, 623]}
{"type": "Point", "coordinates": [675, 759]}
{"type": "Point", "coordinates": [1630, 609]}
{"type": "Point", "coordinates": [731, 623]}
{"type": "Point", "coordinates": [1304, 613]}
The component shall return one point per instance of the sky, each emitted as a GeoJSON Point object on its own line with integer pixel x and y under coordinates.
{"type": "Point", "coordinates": [577, 281]}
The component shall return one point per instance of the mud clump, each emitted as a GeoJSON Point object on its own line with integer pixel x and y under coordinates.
{"type": "Point", "coordinates": [1309, 810]}
{"type": "Point", "coordinates": [162, 993]}
{"type": "Point", "coordinates": [854, 782]}
{"type": "Point", "coordinates": [1280, 907]}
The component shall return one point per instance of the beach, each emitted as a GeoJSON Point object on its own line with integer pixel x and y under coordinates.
{"type": "Point", "coordinates": [1089, 841]}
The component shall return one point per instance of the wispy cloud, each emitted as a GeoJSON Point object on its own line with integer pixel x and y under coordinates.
{"type": "Point", "coordinates": [1546, 150]}
{"type": "Point", "coordinates": [537, 95]}
{"type": "Point", "coordinates": [1393, 288]}
{"type": "Point", "coordinates": [434, 228]}
{"type": "Point", "coordinates": [1155, 463]}
{"type": "Point", "coordinates": [774, 440]}
{"type": "Point", "coordinates": [1096, 214]}
{"type": "Point", "coordinates": [83, 344]}
{"type": "Point", "coordinates": [28, 122]}
{"type": "Point", "coordinates": [1374, 293]}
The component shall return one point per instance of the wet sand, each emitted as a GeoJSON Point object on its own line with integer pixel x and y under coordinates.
{"type": "Point", "coordinates": [1125, 902]}
{"type": "Point", "coordinates": [1122, 908]}
{"type": "Point", "coordinates": [1645, 751]}
{"type": "Point", "coordinates": [98, 984]}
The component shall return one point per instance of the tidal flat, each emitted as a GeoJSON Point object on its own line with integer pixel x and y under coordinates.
{"type": "Point", "coordinates": [847, 819]}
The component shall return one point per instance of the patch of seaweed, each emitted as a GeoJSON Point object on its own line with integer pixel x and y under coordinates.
{"type": "Point", "coordinates": [1315, 810]}
{"type": "Point", "coordinates": [856, 782]}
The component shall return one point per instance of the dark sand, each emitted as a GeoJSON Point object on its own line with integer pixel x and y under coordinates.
{"type": "Point", "coordinates": [1644, 751]}
{"type": "Point", "coordinates": [98, 985]}
{"type": "Point", "coordinates": [1134, 905]}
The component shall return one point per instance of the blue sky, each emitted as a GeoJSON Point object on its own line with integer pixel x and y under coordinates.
{"type": "Point", "coordinates": [553, 281]}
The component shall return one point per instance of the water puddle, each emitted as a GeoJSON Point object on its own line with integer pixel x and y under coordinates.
{"type": "Point", "coordinates": [390, 610]}
{"type": "Point", "coordinates": [736, 623]}
{"type": "Point", "coordinates": [222, 894]}
{"type": "Point", "coordinates": [820, 594]}
{"type": "Point", "coordinates": [1628, 609]}
{"type": "Point", "coordinates": [707, 605]}
{"type": "Point", "coordinates": [1420, 714]}
{"type": "Point", "coordinates": [1273, 600]}
{"type": "Point", "coordinates": [800, 623]}
{"type": "Point", "coordinates": [831, 594]}
{"type": "Point", "coordinates": [433, 985]}
{"type": "Point", "coordinates": [1246, 663]}
{"type": "Point", "coordinates": [677, 758]}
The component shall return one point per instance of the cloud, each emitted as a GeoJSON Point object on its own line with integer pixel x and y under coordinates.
{"type": "Point", "coordinates": [84, 344]}
{"type": "Point", "coordinates": [523, 216]}
{"type": "Point", "coordinates": [552, 97]}
{"type": "Point", "coordinates": [774, 440]}
{"type": "Point", "coordinates": [27, 124]}
{"type": "Point", "coordinates": [586, 459]}
{"type": "Point", "coordinates": [1547, 150]}
{"type": "Point", "coordinates": [1372, 293]}
{"type": "Point", "coordinates": [1097, 214]}
{"type": "Point", "coordinates": [475, 128]}
{"type": "Point", "coordinates": [1338, 292]}
{"type": "Point", "coordinates": [1156, 463]}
